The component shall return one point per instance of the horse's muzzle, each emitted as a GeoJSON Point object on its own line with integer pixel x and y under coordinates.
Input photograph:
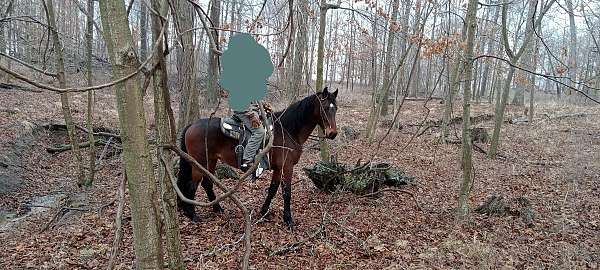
{"type": "Point", "coordinates": [331, 134]}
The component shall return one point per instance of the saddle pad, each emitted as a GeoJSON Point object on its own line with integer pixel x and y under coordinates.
{"type": "Point", "coordinates": [232, 128]}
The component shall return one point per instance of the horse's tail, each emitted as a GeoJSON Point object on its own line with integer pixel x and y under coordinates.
{"type": "Point", "coordinates": [184, 178]}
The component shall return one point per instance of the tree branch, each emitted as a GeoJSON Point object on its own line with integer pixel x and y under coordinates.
{"type": "Point", "coordinates": [45, 72]}
{"type": "Point", "coordinates": [89, 88]}
{"type": "Point", "coordinates": [549, 77]}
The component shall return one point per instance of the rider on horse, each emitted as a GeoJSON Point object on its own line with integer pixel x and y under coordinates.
{"type": "Point", "coordinates": [251, 120]}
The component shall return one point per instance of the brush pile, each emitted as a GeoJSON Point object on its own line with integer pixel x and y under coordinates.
{"type": "Point", "coordinates": [362, 179]}
{"type": "Point", "coordinates": [499, 206]}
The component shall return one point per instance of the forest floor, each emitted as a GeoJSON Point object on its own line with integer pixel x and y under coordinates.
{"type": "Point", "coordinates": [554, 163]}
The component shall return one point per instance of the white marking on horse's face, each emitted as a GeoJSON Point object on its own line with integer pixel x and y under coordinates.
{"type": "Point", "coordinates": [330, 105]}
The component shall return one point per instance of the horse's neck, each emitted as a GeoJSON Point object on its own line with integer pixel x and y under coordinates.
{"type": "Point", "coordinates": [300, 135]}
{"type": "Point", "coordinates": [305, 132]}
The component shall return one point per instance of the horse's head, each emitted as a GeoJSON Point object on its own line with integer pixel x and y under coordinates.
{"type": "Point", "coordinates": [325, 110]}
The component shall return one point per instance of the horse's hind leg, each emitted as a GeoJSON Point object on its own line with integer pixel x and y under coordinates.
{"type": "Point", "coordinates": [189, 209]}
{"type": "Point", "coordinates": [207, 184]}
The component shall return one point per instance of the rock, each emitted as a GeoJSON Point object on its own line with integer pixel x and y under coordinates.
{"type": "Point", "coordinates": [349, 133]}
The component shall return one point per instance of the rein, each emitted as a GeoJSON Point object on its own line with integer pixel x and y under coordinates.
{"type": "Point", "coordinates": [310, 136]}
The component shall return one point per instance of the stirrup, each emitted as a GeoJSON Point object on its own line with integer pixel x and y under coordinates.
{"type": "Point", "coordinates": [246, 166]}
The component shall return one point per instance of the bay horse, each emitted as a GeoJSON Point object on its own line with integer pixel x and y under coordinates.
{"type": "Point", "coordinates": [291, 128]}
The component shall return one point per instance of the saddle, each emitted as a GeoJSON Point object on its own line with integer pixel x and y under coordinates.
{"type": "Point", "coordinates": [234, 128]}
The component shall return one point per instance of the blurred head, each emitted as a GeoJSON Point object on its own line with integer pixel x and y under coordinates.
{"type": "Point", "coordinates": [327, 108]}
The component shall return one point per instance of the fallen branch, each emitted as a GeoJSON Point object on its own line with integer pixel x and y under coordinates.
{"type": "Point", "coordinates": [424, 99]}
{"type": "Point", "coordinates": [296, 245]}
{"type": "Point", "coordinates": [66, 147]}
{"type": "Point", "coordinates": [100, 133]}
{"type": "Point", "coordinates": [569, 116]}
{"type": "Point", "coordinates": [395, 190]}
{"type": "Point", "coordinates": [56, 216]}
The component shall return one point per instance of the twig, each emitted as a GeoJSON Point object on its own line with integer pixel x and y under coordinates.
{"type": "Point", "coordinates": [294, 246]}
{"type": "Point", "coordinates": [555, 79]}
{"type": "Point", "coordinates": [99, 133]}
{"type": "Point", "coordinates": [84, 89]}
{"type": "Point", "coordinates": [56, 216]}
{"type": "Point", "coordinates": [118, 224]}
{"type": "Point", "coordinates": [103, 154]}
{"type": "Point", "coordinates": [262, 8]}
{"type": "Point", "coordinates": [290, 22]}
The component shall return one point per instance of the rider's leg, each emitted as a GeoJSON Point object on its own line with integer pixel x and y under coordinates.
{"type": "Point", "coordinates": [254, 143]}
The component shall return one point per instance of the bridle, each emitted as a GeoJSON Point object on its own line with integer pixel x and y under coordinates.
{"type": "Point", "coordinates": [276, 119]}
{"type": "Point", "coordinates": [323, 114]}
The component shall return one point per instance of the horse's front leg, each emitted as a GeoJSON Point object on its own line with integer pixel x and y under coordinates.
{"type": "Point", "coordinates": [287, 197]}
{"type": "Point", "coordinates": [271, 192]}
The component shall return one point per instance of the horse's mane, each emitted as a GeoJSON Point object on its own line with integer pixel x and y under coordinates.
{"type": "Point", "coordinates": [296, 116]}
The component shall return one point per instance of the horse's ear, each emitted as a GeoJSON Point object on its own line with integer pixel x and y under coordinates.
{"type": "Point", "coordinates": [325, 91]}
{"type": "Point", "coordinates": [335, 93]}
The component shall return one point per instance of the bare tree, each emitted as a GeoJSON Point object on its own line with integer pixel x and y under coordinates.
{"type": "Point", "coordinates": [64, 97]}
{"type": "Point", "coordinates": [514, 57]}
{"type": "Point", "coordinates": [4, 12]}
{"type": "Point", "coordinates": [213, 57]}
{"type": "Point", "coordinates": [383, 97]}
{"type": "Point", "coordinates": [89, 37]}
{"type": "Point", "coordinates": [165, 134]}
{"type": "Point", "coordinates": [301, 40]}
{"type": "Point", "coordinates": [572, 63]}
{"type": "Point", "coordinates": [467, 162]}
{"type": "Point", "coordinates": [136, 154]}
{"type": "Point", "coordinates": [183, 15]}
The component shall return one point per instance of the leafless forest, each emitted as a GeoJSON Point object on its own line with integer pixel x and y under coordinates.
{"type": "Point", "coordinates": [491, 108]}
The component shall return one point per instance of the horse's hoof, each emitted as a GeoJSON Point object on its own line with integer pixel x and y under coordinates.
{"type": "Point", "coordinates": [290, 223]}
{"type": "Point", "coordinates": [217, 209]}
{"type": "Point", "coordinates": [194, 219]}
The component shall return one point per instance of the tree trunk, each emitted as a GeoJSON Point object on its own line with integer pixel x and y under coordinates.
{"type": "Point", "coordinates": [165, 134]}
{"type": "Point", "coordinates": [572, 46]}
{"type": "Point", "coordinates": [489, 50]}
{"type": "Point", "coordinates": [186, 70]}
{"type": "Point", "coordinates": [467, 181]}
{"type": "Point", "coordinates": [383, 110]}
{"type": "Point", "coordinates": [371, 125]}
{"type": "Point", "coordinates": [382, 107]}
{"type": "Point", "coordinates": [64, 97]}
{"type": "Point", "coordinates": [4, 12]}
{"type": "Point", "coordinates": [89, 36]}
{"type": "Point", "coordinates": [143, 192]}
{"type": "Point", "coordinates": [319, 83]}
{"type": "Point", "coordinates": [144, 30]}
{"type": "Point", "coordinates": [302, 7]}
{"type": "Point", "coordinates": [213, 61]}
{"type": "Point", "coordinates": [514, 59]}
